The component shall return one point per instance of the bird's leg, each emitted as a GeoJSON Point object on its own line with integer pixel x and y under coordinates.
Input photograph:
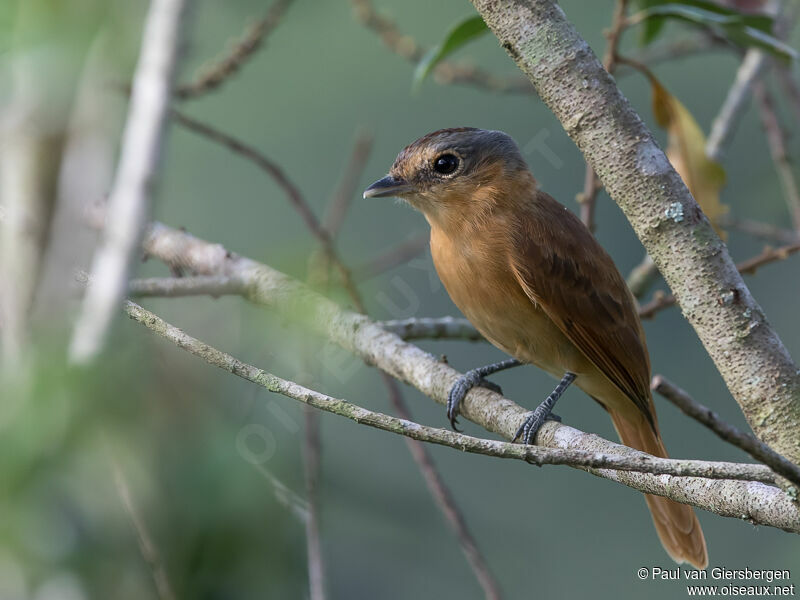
{"type": "Point", "coordinates": [475, 378]}
{"type": "Point", "coordinates": [542, 412]}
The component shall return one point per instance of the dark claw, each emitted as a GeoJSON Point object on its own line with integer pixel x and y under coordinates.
{"type": "Point", "coordinates": [485, 383]}
{"type": "Point", "coordinates": [460, 389]}
{"type": "Point", "coordinates": [532, 424]}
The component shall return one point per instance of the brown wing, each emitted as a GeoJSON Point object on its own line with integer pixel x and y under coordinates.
{"type": "Point", "coordinates": [563, 269]}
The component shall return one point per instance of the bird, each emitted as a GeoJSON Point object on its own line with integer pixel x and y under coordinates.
{"type": "Point", "coordinates": [535, 282]}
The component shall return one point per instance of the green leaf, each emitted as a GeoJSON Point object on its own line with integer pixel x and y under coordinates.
{"type": "Point", "coordinates": [459, 34]}
{"type": "Point", "coordinates": [742, 30]}
{"type": "Point", "coordinates": [757, 21]}
{"type": "Point", "coordinates": [651, 27]}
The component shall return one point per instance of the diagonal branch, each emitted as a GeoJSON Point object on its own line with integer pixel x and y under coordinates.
{"type": "Point", "coordinates": [404, 361]}
{"type": "Point", "coordinates": [347, 188]}
{"type": "Point", "coordinates": [776, 139]}
{"type": "Point", "coordinates": [446, 72]}
{"type": "Point", "coordinates": [293, 193]}
{"type": "Point", "coordinates": [750, 444]}
{"type": "Point", "coordinates": [128, 205]}
{"type": "Point", "coordinates": [750, 266]}
{"type": "Point", "coordinates": [217, 73]}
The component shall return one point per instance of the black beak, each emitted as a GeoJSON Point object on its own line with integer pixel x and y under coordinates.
{"type": "Point", "coordinates": [388, 186]}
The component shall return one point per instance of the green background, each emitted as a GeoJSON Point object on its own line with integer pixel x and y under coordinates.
{"type": "Point", "coordinates": [177, 426]}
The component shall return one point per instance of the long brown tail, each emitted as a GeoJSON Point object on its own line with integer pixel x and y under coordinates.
{"type": "Point", "coordinates": [676, 524]}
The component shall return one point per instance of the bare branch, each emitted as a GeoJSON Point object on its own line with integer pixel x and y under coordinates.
{"type": "Point", "coordinates": [147, 548]}
{"type": "Point", "coordinates": [293, 193]}
{"type": "Point", "coordinates": [214, 75]}
{"type": "Point", "coordinates": [769, 255]}
{"type": "Point", "coordinates": [433, 378]}
{"type": "Point", "coordinates": [642, 276]}
{"type": "Point", "coordinates": [128, 205]}
{"type": "Point", "coordinates": [445, 72]}
{"type": "Point", "coordinates": [726, 121]}
{"type": "Point", "coordinates": [444, 498]}
{"type": "Point", "coordinates": [591, 184]}
{"type": "Point", "coordinates": [347, 189]}
{"type": "Point", "coordinates": [791, 89]}
{"type": "Point", "coordinates": [758, 229]}
{"type": "Point", "coordinates": [393, 257]}
{"type": "Point", "coordinates": [661, 300]}
{"type": "Point", "coordinates": [749, 443]}
{"type": "Point", "coordinates": [311, 460]}
{"type": "Point", "coordinates": [538, 455]}
{"type": "Point", "coordinates": [777, 148]}
{"type": "Point", "coordinates": [176, 287]}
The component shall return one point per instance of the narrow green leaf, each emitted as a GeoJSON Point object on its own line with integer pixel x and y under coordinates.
{"type": "Point", "coordinates": [458, 35]}
{"type": "Point", "coordinates": [651, 27]}
{"type": "Point", "coordinates": [743, 30]}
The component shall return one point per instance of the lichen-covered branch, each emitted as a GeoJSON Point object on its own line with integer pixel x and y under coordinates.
{"type": "Point", "coordinates": [747, 442]}
{"type": "Point", "coordinates": [538, 455]}
{"type": "Point", "coordinates": [750, 356]}
{"type": "Point", "coordinates": [410, 364]}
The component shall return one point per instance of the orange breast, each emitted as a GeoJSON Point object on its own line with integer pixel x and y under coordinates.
{"type": "Point", "coordinates": [478, 277]}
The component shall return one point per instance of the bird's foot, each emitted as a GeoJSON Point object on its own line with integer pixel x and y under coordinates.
{"type": "Point", "coordinates": [530, 427]}
{"type": "Point", "coordinates": [532, 424]}
{"type": "Point", "coordinates": [470, 379]}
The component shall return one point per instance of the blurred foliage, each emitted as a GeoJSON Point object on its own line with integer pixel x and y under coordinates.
{"type": "Point", "coordinates": [185, 435]}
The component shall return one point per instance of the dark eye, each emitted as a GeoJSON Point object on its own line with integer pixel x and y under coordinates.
{"type": "Point", "coordinates": [445, 164]}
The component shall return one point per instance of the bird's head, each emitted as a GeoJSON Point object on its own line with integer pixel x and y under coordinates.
{"type": "Point", "coordinates": [451, 170]}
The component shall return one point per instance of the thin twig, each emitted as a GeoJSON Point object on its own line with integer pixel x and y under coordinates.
{"type": "Point", "coordinates": [538, 455]}
{"type": "Point", "coordinates": [699, 42]}
{"type": "Point", "coordinates": [591, 184]}
{"type": "Point", "coordinates": [393, 257]}
{"type": "Point", "coordinates": [753, 65]}
{"type": "Point", "coordinates": [214, 75]}
{"type": "Point", "coordinates": [661, 300]}
{"type": "Point", "coordinates": [444, 498]}
{"type": "Point", "coordinates": [759, 229]}
{"type": "Point", "coordinates": [726, 121]}
{"type": "Point", "coordinates": [417, 328]}
{"type": "Point", "coordinates": [446, 72]}
{"type": "Point", "coordinates": [346, 190]}
{"type": "Point", "coordinates": [147, 548]}
{"type": "Point", "coordinates": [747, 442]}
{"type": "Point", "coordinates": [768, 255]}
{"type": "Point", "coordinates": [642, 276]}
{"type": "Point", "coordinates": [311, 460]}
{"type": "Point", "coordinates": [128, 205]}
{"type": "Point", "coordinates": [288, 498]}
{"type": "Point", "coordinates": [293, 193]}
{"type": "Point", "coordinates": [791, 89]}
{"type": "Point", "coordinates": [776, 140]}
